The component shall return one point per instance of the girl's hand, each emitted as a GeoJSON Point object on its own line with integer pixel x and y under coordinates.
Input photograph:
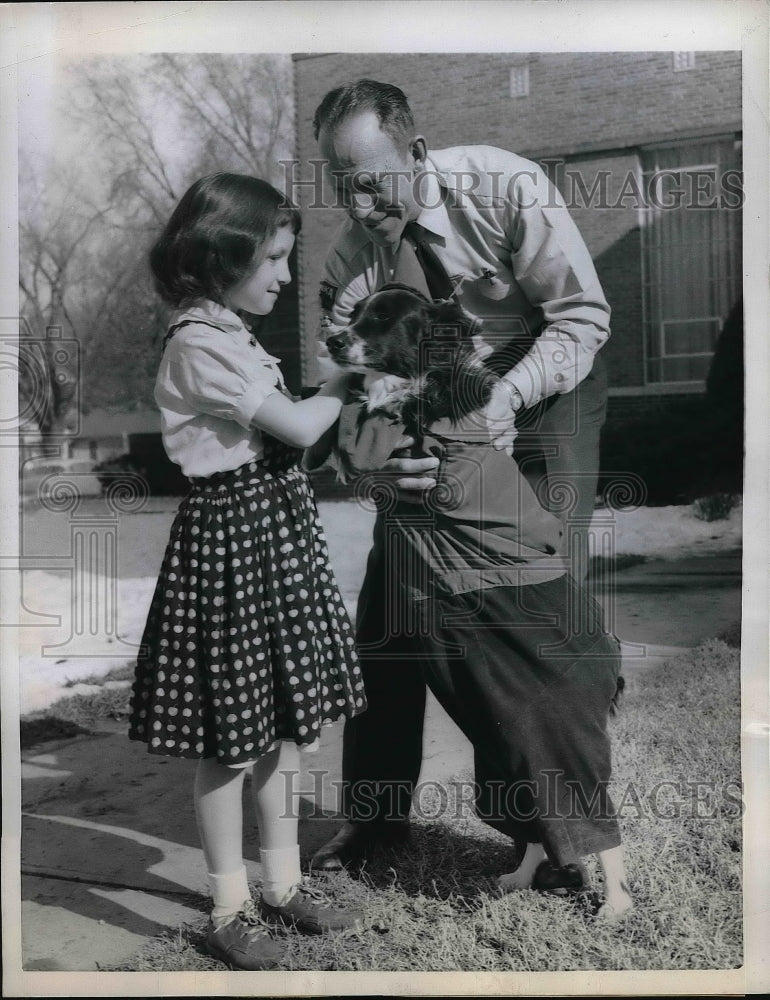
{"type": "Point", "coordinates": [337, 385]}
{"type": "Point", "coordinates": [327, 368]}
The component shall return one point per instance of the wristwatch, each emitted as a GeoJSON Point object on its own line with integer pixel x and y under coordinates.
{"type": "Point", "coordinates": [517, 400]}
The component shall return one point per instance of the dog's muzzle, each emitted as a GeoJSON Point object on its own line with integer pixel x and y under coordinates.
{"type": "Point", "coordinates": [345, 350]}
{"type": "Point", "coordinates": [336, 344]}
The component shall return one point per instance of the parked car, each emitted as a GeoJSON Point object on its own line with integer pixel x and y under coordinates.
{"type": "Point", "coordinates": [40, 476]}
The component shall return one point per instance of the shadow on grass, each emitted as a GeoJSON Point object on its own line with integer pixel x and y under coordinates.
{"type": "Point", "coordinates": [46, 728]}
{"type": "Point", "coordinates": [457, 862]}
{"type": "Point", "coordinates": [67, 868]}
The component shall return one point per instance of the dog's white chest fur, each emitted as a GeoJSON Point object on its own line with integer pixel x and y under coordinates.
{"type": "Point", "coordinates": [390, 401]}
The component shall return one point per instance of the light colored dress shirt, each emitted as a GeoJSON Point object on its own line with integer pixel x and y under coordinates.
{"type": "Point", "coordinates": [518, 261]}
{"type": "Point", "coordinates": [210, 384]}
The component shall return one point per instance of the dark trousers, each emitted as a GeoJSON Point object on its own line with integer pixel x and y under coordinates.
{"type": "Point", "coordinates": [528, 674]}
{"type": "Point", "coordinates": [382, 747]}
{"type": "Point", "coordinates": [558, 451]}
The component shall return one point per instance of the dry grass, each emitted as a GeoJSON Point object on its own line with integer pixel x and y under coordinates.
{"type": "Point", "coordinates": [676, 775]}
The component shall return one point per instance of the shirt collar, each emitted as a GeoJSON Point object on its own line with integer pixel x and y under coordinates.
{"type": "Point", "coordinates": [206, 311]}
{"type": "Point", "coordinates": [433, 216]}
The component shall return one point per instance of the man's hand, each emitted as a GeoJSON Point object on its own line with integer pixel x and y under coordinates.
{"type": "Point", "coordinates": [412, 471]}
{"type": "Point", "coordinates": [499, 416]}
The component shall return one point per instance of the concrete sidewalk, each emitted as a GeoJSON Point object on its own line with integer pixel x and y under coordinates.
{"type": "Point", "coordinates": [110, 855]}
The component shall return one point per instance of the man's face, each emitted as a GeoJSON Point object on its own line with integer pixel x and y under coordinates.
{"type": "Point", "coordinates": [372, 176]}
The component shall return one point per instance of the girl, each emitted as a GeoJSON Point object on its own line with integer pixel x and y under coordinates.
{"type": "Point", "coordinates": [248, 650]}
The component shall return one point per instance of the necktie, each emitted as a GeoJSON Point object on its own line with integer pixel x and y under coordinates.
{"type": "Point", "coordinates": [418, 265]}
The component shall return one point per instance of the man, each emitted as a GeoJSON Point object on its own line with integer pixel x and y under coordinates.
{"type": "Point", "coordinates": [485, 226]}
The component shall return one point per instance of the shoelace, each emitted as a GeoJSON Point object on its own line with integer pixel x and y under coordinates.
{"type": "Point", "coordinates": [316, 894]}
{"type": "Point", "coordinates": [250, 915]}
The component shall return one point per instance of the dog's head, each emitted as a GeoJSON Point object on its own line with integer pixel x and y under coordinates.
{"type": "Point", "coordinates": [400, 332]}
{"type": "Point", "coordinates": [388, 328]}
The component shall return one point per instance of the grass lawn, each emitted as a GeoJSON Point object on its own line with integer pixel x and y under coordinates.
{"type": "Point", "coordinates": [433, 907]}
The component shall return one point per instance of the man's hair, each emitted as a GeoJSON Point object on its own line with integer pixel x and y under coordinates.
{"type": "Point", "coordinates": [215, 235]}
{"type": "Point", "coordinates": [386, 101]}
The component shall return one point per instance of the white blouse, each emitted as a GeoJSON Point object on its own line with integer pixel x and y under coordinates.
{"type": "Point", "coordinates": [210, 384]}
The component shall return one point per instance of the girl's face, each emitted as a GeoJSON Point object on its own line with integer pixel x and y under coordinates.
{"type": "Point", "coordinates": [258, 289]}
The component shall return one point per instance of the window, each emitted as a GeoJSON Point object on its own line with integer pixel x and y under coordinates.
{"type": "Point", "coordinates": [519, 81]}
{"type": "Point", "coordinates": [683, 61]}
{"type": "Point", "coordinates": [691, 254]}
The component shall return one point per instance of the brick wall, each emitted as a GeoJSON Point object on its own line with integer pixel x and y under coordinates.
{"type": "Point", "coordinates": [589, 108]}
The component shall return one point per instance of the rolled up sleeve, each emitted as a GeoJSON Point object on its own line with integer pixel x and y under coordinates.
{"type": "Point", "coordinates": [349, 288]}
{"type": "Point", "coordinates": [553, 267]}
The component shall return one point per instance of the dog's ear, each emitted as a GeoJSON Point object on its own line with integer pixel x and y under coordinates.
{"type": "Point", "coordinates": [399, 286]}
{"type": "Point", "coordinates": [452, 319]}
{"type": "Point", "coordinates": [354, 312]}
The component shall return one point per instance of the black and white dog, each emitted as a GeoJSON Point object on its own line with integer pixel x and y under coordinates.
{"type": "Point", "coordinates": [397, 331]}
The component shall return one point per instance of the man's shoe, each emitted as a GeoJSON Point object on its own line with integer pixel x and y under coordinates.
{"type": "Point", "coordinates": [355, 841]}
{"type": "Point", "coordinates": [243, 941]}
{"type": "Point", "coordinates": [310, 911]}
{"type": "Point", "coordinates": [559, 881]}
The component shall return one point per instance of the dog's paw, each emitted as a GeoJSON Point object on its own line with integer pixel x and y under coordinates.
{"type": "Point", "coordinates": [389, 394]}
{"type": "Point", "coordinates": [381, 388]}
{"type": "Point", "coordinates": [368, 408]}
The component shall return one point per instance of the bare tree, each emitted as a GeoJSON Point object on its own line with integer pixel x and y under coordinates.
{"type": "Point", "coordinates": [240, 105]}
{"type": "Point", "coordinates": [115, 101]}
{"type": "Point", "coordinates": [159, 121]}
{"type": "Point", "coordinates": [135, 132]}
{"type": "Point", "coordinates": [56, 230]}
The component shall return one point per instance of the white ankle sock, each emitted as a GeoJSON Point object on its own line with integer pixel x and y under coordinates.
{"type": "Point", "coordinates": [229, 892]}
{"type": "Point", "coordinates": [280, 873]}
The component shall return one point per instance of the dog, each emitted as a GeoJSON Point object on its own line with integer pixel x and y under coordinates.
{"type": "Point", "coordinates": [397, 331]}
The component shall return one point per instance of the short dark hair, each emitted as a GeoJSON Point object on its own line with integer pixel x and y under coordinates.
{"type": "Point", "coordinates": [215, 234]}
{"type": "Point", "coordinates": [385, 100]}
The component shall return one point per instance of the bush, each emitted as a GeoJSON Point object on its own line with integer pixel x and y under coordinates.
{"type": "Point", "coordinates": [164, 477]}
{"type": "Point", "coordinates": [682, 450]}
{"type": "Point", "coordinates": [731, 636]}
{"type": "Point", "coordinates": [716, 507]}
{"type": "Point", "coordinates": [161, 476]}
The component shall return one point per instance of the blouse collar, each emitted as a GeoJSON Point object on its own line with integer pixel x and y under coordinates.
{"type": "Point", "coordinates": [206, 311]}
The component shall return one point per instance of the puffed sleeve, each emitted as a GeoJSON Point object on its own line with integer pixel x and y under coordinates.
{"type": "Point", "coordinates": [219, 376]}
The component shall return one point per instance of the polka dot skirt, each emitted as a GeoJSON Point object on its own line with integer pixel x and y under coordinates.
{"type": "Point", "coordinates": [247, 640]}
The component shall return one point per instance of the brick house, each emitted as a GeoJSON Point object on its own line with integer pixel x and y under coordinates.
{"type": "Point", "coordinates": [644, 146]}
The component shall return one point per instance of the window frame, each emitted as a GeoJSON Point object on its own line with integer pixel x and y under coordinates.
{"type": "Point", "coordinates": [654, 328]}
